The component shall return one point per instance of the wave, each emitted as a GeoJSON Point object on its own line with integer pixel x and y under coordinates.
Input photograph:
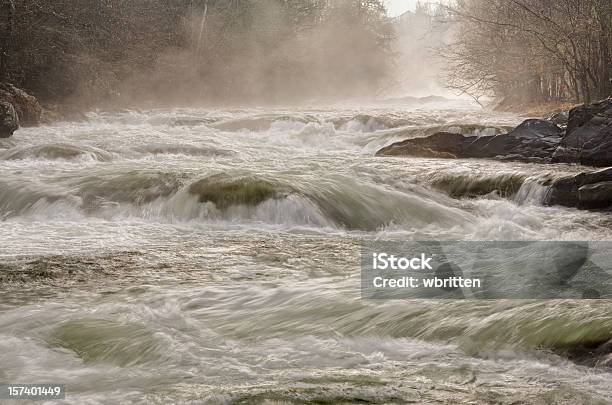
{"type": "Point", "coordinates": [135, 187]}
{"type": "Point", "coordinates": [371, 123]}
{"type": "Point", "coordinates": [533, 190]}
{"type": "Point", "coordinates": [30, 198]}
{"type": "Point", "coordinates": [183, 149]}
{"type": "Point", "coordinates": [516, 186]}
{"type": "Point", "coordinates": [455, 128]}
{"type": "Point", "coordinates": [478, 328]}
{"type": "Point", "coordinates": [342, 201]}
{"type": "Point", "coordinates": [192, 121]}
{"type": "Point", "coordinates": [99, 340]}
{"type": "Point", "coordinates": [56, 151]}
{"type": "Point", "coordinates": [504, 185]}
{"type": "Point", "coordinates": [86, 195]}
{"type": "Point", "coordinates": [335, 201]}
{"type": "Point", "coordinates": [362, 206]}
{"type": "Point", "coordinates": [261, 123]}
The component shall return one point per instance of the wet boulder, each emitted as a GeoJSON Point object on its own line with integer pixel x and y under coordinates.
{"type": "Point", "coordinates": [559, 118]}
{"type": "Point", "coordinates": [9, 120]}
{"type": "Point", "coordinates": [596, 195]}
{"type": "Point", "coordinates": [226, 191]}
{"type": "Point", "coordinates": [440, 144]}
{"type": "Point", "coordinates": [533, 140]}
{"type": "Point", "coordinates": [589, 190]}
{"type": "Point", "coordinates": [27, 107]}
{"type": "Point", "coordinates": [588, 138]}
{"type": "Point", "coordinates": [597, 353]}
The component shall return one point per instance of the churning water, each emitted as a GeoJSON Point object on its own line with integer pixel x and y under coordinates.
{"type": "Point", "coordinates": [213, 256]}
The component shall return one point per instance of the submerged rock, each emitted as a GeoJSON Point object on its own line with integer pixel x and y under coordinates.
{"type": "Point", "coordinates": [56, 151]}
{"type": "Point", "coordinates": [27, 107]}
{"type": "Point", "coordinates": [596, 195]}
{"type": "Point", "coordinates": [588, 139]}
{"type": "Point", "coordinates": [597, 353]}
{"type": "Point", "coordinates": [9, 121]}
{"type": "Point", "coordinates": [533, 140]}
{"type": "Point", "coordinates": [224, 191]}
{"type": "Point", "coordinates": [470, 185]}
{"type": "Point", "coordinates": [259, 123]}
{"type": "Point", "coordinates": [371, 123]}
{"type": "Point", "coordinates": [589, 190]}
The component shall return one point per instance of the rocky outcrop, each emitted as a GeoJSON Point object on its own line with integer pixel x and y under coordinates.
{"type": "Point", "coordinates": [534, 140]}
{"type": "Point", "coordinates": [588, 138]}
{"type": "Point", "coordinates": [592, 354]}
{"type": "Point", "coordinates": [9, 121]}
{"type": "Point", "coordinates": [27, 107]}
{"type": "Point", "coordinates": [559, 118]}
{"type": "Point", "coordinates": [591, 190]}
{"type": "Point", "coordinates": [441, 144]}
{"type": "Point", "coordinates": [583, 136]}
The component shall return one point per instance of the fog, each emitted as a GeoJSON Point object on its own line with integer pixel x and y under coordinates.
{"type": "Point", "coordinates": [418, 68]}
{"type": "Point", "coordinates": [226, 52]}
{"type": "Point", "coordinates": [272, 53]}
{"type": "Point", "coordinates": [152, 52]}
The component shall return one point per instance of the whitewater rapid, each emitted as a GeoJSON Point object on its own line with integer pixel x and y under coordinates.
{"type": "Point", "coordinates": [212, 255]}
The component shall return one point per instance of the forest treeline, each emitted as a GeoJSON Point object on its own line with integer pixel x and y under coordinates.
{"type": "Point", "coordinates": [98, 52]}
{"type": "Point", "coordinates": [531, 50]}
{"type": "Point", "coordinates": [205, 50]}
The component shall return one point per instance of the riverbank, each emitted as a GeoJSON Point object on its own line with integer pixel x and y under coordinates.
{"type": "Point", "coordinates": [581, 136]}
{"type": "Point", "coordinates": [534, 110]}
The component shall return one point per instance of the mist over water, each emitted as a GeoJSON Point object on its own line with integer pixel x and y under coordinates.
{"type": "Point", "coordinates": [213, 256]}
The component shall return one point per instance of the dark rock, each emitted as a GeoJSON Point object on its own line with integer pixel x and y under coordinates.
{"type": "Point", "coordinates": [559, 118]}
{"type": "Point", "coordinates": [9, 120]}
{"type": "Point", "coordinates": [596, 195]}
{"type": "Point", "coordinates": [591, 190]}
{"type": "Point", "coordinates": [27, 107]}
{"type": "Point", "coordinates": [597, 353]}
{"type": "Point", "coordinates": [588, 138]}
{"type": "Point", "coordinates": [583, 114]}
{"type": "Point", "coordinates": [446, 143]}
{"type": "Point", "coordinates": [533, 140]}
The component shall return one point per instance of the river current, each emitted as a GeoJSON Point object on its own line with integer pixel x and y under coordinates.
{"type": "Point", "coordinates": [195, 255]}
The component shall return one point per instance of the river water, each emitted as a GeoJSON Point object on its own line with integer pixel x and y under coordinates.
{"type": "Point", "coordinates": [213, 256]}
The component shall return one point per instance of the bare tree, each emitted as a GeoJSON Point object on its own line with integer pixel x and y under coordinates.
{"type": "Point", "coordinates": [533, 50]}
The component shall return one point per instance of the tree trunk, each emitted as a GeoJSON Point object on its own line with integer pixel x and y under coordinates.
{"type": "Point", "coordinates": [605, 70]}
{"type": "Point", "coordinates": [575, 87]}
{"type": "Point", "coordinates": [7, 11]}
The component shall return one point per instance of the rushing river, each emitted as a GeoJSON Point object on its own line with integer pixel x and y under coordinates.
{"type": "Point", "coordinates": [213, 256]}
